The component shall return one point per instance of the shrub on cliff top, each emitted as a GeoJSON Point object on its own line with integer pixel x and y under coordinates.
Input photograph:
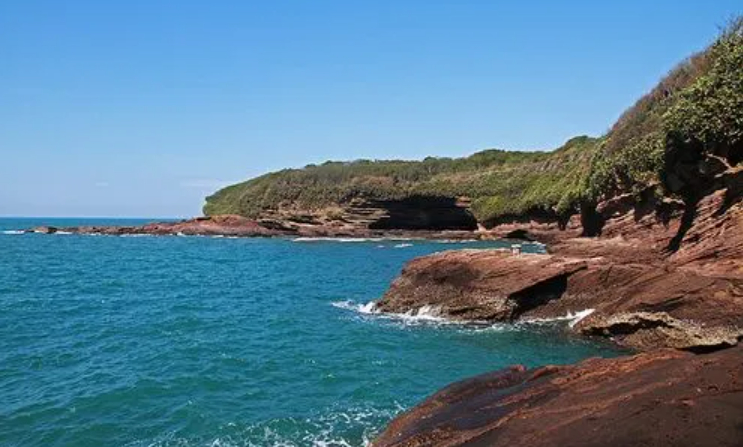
{"type": "Point", "coordinates": [694, 114]}
{"type": "Point", "coordinates": [499, 182]}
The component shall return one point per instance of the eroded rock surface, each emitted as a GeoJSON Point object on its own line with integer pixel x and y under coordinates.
{"type": "Point", "coordinates": [681, 293]}
{"type": "Point", "coordinates": [661, 329]}
{"type": "Point", "coordinates": [238, 226]}
{"type": "Point", "coordinates": [664, 398]}
{"type": "Point", "coordinates": [490, 285]}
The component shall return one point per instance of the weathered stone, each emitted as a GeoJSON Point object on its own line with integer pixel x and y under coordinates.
{"type": "Point", "coordinates": [664, 398]}
{"type": "Point", "coordinates": [645, 329]}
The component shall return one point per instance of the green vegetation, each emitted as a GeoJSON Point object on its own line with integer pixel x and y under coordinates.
{"type": "Point", "coordinates": [498, 182]}
{"type": "Point", "coordinates": [694, 114]}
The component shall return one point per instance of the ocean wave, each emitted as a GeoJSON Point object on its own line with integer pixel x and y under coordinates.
{"type": "Point", "coordinates": [350, 239]}
{"type": "Point", "coordinates": [403, 245]}
{"type": "Point", "coordinates": [366, 309]}
{"type": "Point", "coordinates": [13, 232]}
{"type": "Point", "coordinates": [422, 315]}
{"type": "Point", "coordinates": [432, 314]}
{"type": "Point", "coordinates": [571, 318]}
{"type": "Point", "coordinates": [349, 427]}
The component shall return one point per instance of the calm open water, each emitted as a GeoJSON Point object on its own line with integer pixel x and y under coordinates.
{"type": "Point", "coordinates": [196, 341]}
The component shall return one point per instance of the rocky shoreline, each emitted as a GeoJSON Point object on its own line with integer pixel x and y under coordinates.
{"type": "Point", "coordinates": [666, 279]}
{"type": "Point", "coordinates": [663, 398]}
{"type": "Point", "coordinates": [238, 226]}
{"type": "Point", "coordinates": [661, 277]}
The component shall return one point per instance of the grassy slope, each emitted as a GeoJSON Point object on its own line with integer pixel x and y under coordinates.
{"type": "Point", "coordinates": [695, 114]}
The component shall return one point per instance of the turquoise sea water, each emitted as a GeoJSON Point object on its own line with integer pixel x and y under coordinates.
{"type": "Point", "coordinates": [195, 341]}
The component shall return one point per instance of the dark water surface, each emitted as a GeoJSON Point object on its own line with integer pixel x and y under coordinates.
{"type": "Point", "coordinates": [197, 341]}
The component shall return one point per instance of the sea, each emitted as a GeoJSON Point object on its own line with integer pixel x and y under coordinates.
{"type": "Point", "coordinates": [217, 341]}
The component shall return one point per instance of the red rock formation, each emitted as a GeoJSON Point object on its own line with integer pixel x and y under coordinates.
{"type": "Point", "coordinates": [238, 226]}
{"type": "Point", "coordinates": [661, 274]}
{"type": "Point", "coordinates": [628, 274]}
{"type": "Point", "coordinates": [664, 398]}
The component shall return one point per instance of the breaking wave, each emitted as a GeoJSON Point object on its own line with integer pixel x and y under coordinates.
{"type": "Point", "coordinates": [352, 427]}
{"type": "Point", "coordinates": [430, 313]}
{"type": "Point", "coordinates": [366, 309]}
{"type": "Point", "coordinates": [571, 318]}
{"type": "Point", "coordinates": [457, 241]}
{"type": "Point", "coordinates": [349, 239]}
{"type": "Point", "coordinates": [424, 314]}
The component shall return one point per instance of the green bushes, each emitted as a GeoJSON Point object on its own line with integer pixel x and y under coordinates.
{"type": "Point", "coordinates": [694, 114]}
{"type": "Point", "coordinates": [499, 182]}
{"type": "Point", "coordinates": [707, 118]}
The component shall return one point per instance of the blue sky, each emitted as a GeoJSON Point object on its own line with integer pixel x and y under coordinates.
{"type": "Point", "coordinates": [142, 108]}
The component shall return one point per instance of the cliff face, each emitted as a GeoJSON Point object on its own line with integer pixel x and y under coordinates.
{"type": "Point", "coordinates": [663, 152]}
{"type": "Point", "coordinates": [652, 279]}
{"type": "Point", "coordinates": [423, 213]}
{"type": "Point", "coordinates": [658, 273]}
{"type": "Point", "coordinates": [434, 194]}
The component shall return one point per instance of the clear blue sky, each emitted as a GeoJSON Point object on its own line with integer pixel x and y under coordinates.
{"type": "Point", "coordinates": [141, 108]}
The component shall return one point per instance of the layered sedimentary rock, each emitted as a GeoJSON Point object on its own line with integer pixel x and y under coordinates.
{"type": "Point", "coordinates": [217, 225]}
{"type": "Point", "coordinates": [238, 226]}
{"type": "Point", "coordinates": [664, 398]}
{"type": "Point", "coordinates": [485, 285]}
{"type": "Point", "coordinates": [646, 292]}
{"type": "Point", "coordinates": [660, 274]}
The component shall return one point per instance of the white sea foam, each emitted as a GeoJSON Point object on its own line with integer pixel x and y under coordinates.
{"type": "Point", "coordinates": [64, 233]}
{"type": "Point", "coordinates": [336, 428]}
{"type": "Point", "coordinates": [424, 314]}
{"type": "Point", "coordinates": [367, 309]}
{"type": "Point", "coordinates": [570, 317]}
{"type": "Point", "coordinates": [350, 239]}
{"type": "Point", "coordinates": [403, 245]}
{"type": "Point", "coordinates": [432, 314]}
{"type": "Point", "coordinates": [13, 232]}
{"type": "Point", "coordinates": [335, 239]}
{"type": "Point", "coordinates": [578, 316]}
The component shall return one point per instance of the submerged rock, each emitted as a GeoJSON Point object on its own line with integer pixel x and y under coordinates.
{"type": "Point", "coordinates": [664, 398]}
